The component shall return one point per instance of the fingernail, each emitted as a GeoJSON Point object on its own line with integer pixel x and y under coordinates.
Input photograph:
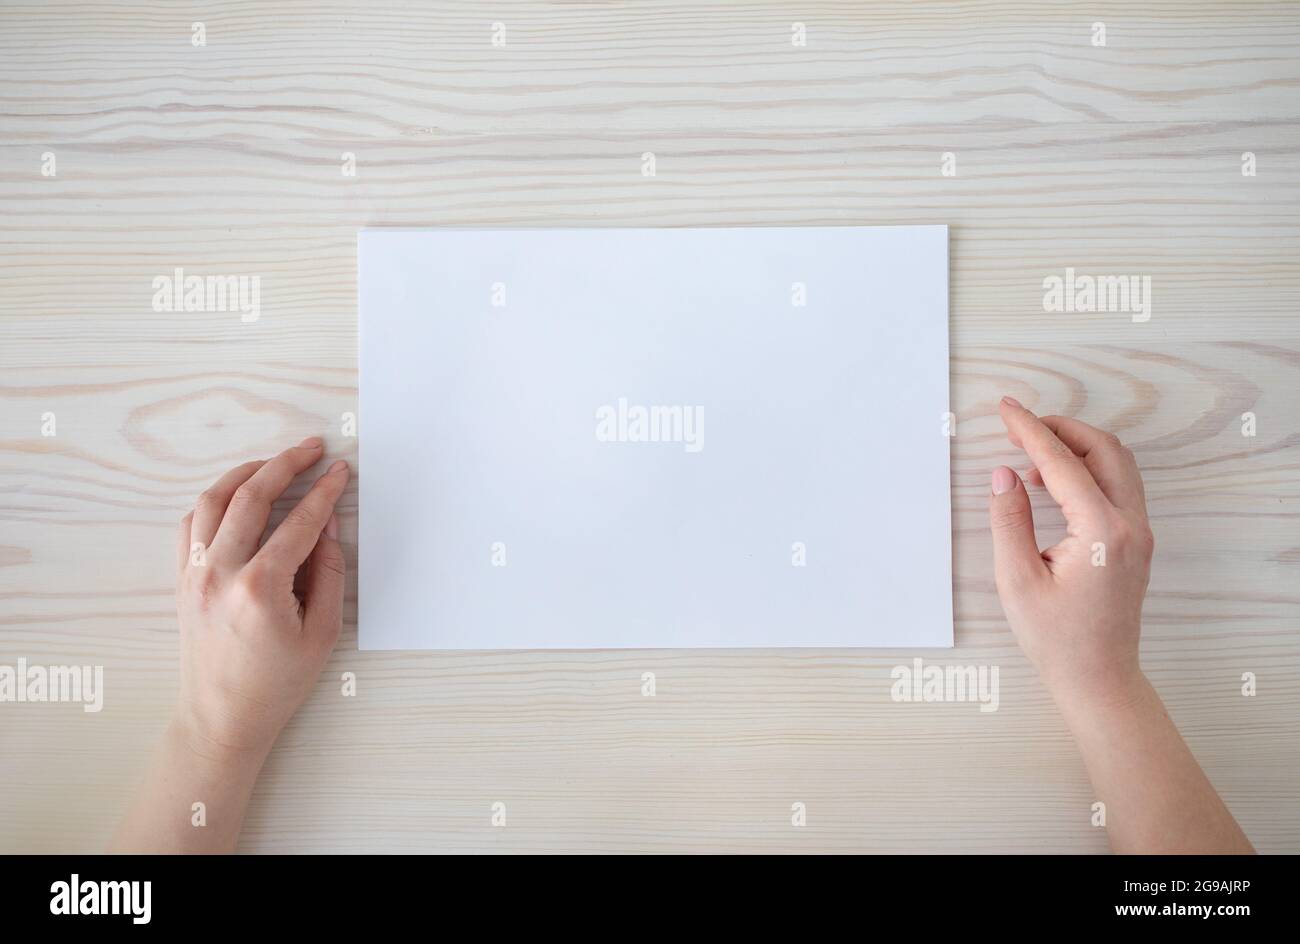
{"type": "Point", "coordinates": [336, 467]}
{"type": "Point", "coordinates": [1004, 480]}
{"type": "Point", "coordinates": [311, 442]}
{"type": "Point", "coordinates": [1012, 401]}
{"type": "Point", "coordinates": [332, 527]}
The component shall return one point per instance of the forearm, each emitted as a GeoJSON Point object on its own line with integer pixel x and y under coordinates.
{"type": "Point", "coordinates": [1158, 800]}
{"type": "Point", "coordinates": [188, 770]}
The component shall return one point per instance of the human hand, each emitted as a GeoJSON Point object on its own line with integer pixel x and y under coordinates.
{"type": "Point", "coordinates": [257, 623]}
{"type": "Point", "coordinates": [1075, 608]}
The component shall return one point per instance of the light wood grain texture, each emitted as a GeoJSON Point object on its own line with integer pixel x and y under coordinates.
{"type": "Point", "coordinates": [226, 159]}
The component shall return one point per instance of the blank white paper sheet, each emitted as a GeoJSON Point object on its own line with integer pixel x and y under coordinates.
{"type": "Point", "coordinates": [648, 438]}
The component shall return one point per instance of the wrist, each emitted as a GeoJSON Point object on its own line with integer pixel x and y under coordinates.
{"type": "Point", "coordinates": [205, 744]}
{"type": "Point", "coordinates": [1088, 701]}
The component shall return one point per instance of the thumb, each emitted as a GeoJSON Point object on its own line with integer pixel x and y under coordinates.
{"type": "Point", "coordinates": [1016, 558]}
{"type": "Point", "coordinates": [322, 616]}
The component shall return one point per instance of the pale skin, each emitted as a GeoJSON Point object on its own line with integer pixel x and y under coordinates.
{"type": "Point", "coordinates": [1079, 623]}
{"type": "Point", "coordinates": [258, 622]}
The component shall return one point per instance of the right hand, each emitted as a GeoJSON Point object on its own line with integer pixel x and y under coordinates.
{"type": "Point", "coordinates": [1077, 620]}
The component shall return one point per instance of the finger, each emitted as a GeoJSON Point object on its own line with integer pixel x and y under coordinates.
{"type": "Point", "coordinates": [183, 543]}
{"type": "Point", "coordinates": [322, 616]}
{"type": "Point", "coordinates": [291, 542]}
{"type": "Point", "coordinates": [1034, 477]}
{"type": "Point", "coordinates": [212, 504]}
{"type": "Point", "coordinates": [250, 505]}
{"type": "Point", "coordinates": [1112, 466]}
{"type": "Point", "coordinates": [1066, 477]}
{"type": "Point", "coordinates": [1016, 558]}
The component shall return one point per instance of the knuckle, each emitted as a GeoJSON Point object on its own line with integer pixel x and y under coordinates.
{"type": "Point", "coordinates": [1059, 460]}
{"type": "Point", "coordinates": [250, 493]}
{"type": "Point", "coordinates": [1011, 519]}
{"type": "Point", "coordinates": [1119, 532]}
{"type": "Point", "coordinates": [1133, 536]}
{"type": "Point", "coordinates": [209, 500]}
{"type": "Point", "coordinates": [203, 588]}
{"type": "Point", "coordinates": [1059, 450]}
{"type": "Point", "coordinates": [334, 566]}
{"type": "Point", "coordinates": [1111, 444]}
{"type": "Point", "coordinates": [250, 588]}
{"type": "Point", "coordinates": [331, 559]}
{"type": "Point", "coordinates": [300, 517]}
{"type": "Point", "coordinates": [253, 579]}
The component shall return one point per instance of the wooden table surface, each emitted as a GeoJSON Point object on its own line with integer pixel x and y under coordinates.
{"type": "Point", "coordinates": [228, 158]}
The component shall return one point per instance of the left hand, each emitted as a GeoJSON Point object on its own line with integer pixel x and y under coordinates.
{"type": "Point", "coordinates": [257, 620]}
